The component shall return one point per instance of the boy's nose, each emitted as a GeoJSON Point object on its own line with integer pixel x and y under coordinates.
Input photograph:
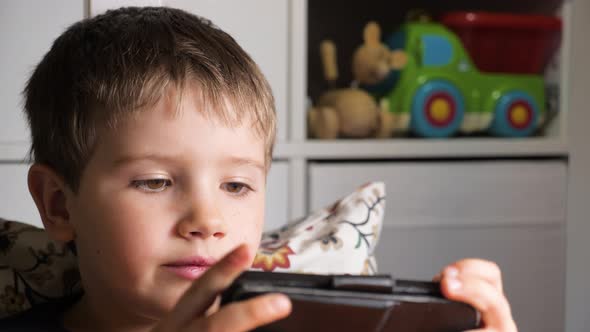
{"type": "Point", "coordinates": [203, 221]}
{"type": "Point", "coordinates": [191, 230]}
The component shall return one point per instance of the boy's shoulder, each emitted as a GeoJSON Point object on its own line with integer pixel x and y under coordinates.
{"type": "Point", "coordinates": [44, 317]}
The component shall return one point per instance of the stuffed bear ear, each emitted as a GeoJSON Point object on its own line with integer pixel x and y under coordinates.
{"type": "Point", "coordinates": [398, 59]}
{"type": "Point", "coordinates": [372, 34]}
{"type": "Point", "coordinates": [328, 55]}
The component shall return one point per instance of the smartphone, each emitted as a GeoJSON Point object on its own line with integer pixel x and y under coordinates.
{"type": "Point", "coordinates": [347, 303]}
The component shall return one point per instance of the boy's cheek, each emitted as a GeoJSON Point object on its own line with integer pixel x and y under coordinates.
{"type": "Point", "coordinates": [251, 238]}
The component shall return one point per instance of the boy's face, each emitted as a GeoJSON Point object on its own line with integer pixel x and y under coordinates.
{"type": "Point", "coordinates": [165, 190]}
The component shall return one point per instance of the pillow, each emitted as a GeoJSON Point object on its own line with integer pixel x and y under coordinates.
{"type": "Point", "coordinates": [338, 239]}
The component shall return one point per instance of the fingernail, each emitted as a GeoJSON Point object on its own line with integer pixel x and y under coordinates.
{"type": "Point", "coordinates": [454, 284]}
{"type": "Point", "coordinates": [281, 303]}
{"type": "Point", "coordinates": [451, 272]}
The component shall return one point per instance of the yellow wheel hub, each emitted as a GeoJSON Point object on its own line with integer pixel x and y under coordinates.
{"type": "Point", "coordinates": [519, 115]}
{"type": "Point", "coordinates": [440, 110]}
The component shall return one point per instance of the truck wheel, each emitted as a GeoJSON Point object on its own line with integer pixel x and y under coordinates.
{"type": "Point", "coordinates": [515, 115]}
{"type": "Point", "coordinates": [437, 110]}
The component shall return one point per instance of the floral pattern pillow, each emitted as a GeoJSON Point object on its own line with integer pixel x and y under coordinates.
{"type": "Point", "coordinates": [339, 239]}
{"type": "Point", "coordinates": [33, 269]}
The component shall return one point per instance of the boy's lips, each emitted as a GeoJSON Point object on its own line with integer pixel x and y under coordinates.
{"type": "Point", "coordinates": [191, 267]}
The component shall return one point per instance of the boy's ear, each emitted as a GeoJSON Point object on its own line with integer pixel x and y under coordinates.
{"type": "Point", "coordinates": [49, 193]}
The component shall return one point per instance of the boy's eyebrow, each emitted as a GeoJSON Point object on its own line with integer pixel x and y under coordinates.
{"type": "Point", "coordinates": [239, 161]}
{"type": "Point", "coordinates": [126, 159]}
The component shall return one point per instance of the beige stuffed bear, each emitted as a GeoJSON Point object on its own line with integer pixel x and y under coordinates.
{"type": "Point", "coordinates": [372, 62]}
{"type": "Point", "coordinates": [347, 112]}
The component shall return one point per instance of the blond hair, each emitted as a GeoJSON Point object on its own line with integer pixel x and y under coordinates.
{"type": "Point", "coordinates": [103, 69]}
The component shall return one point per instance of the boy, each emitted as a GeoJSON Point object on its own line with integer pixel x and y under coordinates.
{"type": "Point", "coordinates": [152, 136]}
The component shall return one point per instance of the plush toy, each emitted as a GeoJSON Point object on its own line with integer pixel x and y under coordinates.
{"type": "Point", "coordinates": [372, 65]}
{"type": "Point", "coordinates": [373, 61]}
{"type": "Point", "coordinates": [348, 112]}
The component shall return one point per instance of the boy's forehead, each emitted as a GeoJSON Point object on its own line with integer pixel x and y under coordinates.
{"type": "Point", "coordinates": [173, 124]}
{"type": "Point", "coordinates": [222, 110]}
{"type": "Point", "coordinates": [177, 103]}
{"type": "Point", "coordinates": [178, 122]}
{"type": "Point", "coordinates": [231, 149]}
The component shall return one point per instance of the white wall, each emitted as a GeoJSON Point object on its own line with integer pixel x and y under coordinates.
{"type": "Point", "coordinates": [578, 223]}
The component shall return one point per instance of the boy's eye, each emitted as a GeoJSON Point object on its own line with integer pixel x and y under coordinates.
{"type": "Point", "coordinates": [152, 185]}
{"type": "Point", "coordinates": [236, 188]}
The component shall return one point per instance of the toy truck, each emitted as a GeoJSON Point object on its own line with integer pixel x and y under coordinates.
{"type": "Point", "coordinates": [440, 91]}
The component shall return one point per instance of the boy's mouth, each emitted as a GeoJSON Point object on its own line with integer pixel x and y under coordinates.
{"type": "Point", "coordinates": [191, 267]}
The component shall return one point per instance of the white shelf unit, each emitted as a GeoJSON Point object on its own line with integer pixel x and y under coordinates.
{"type": "Point", "coordinates": [300, 148]}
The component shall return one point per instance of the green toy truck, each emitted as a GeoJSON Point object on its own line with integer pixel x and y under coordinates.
{"type": "Point", "coordinates": [440, 92]}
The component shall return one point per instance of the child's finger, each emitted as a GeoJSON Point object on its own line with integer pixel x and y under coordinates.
{"type": "Point", "coordinates": [245, 315]}
{"type": "Point", "coordinates": [437, 277]}
{"type": "Point", "coordinates": [202, 294]}
{"type": "Point", "coordinates": [478, 268]}
{"type": "Point", "coordinates": [485, 298]}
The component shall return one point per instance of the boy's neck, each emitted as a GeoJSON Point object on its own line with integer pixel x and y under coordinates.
{"type": "Point", "coordinates": [89, 316]}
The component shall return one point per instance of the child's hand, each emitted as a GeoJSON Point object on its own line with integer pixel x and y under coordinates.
{"type": "Point", "coordinates": [479, 283]}
{"type": "Point", "coordinates": [191, 312]}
